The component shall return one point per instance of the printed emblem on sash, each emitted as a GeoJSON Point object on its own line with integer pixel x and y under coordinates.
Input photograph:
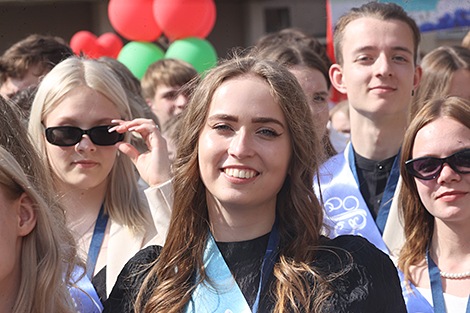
{"type": "Point", "coordinates": [351, 220]}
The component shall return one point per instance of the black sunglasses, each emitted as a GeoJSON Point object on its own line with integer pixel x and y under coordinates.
{"type": "Point", "coordinates": [65, 136]}
{"type": "Point", "coordinates": [427, 168]}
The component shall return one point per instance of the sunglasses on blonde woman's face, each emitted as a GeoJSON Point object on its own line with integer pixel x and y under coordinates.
{"type": "Point", "coordinates": [427, 168]}
{"type": "Point", "coordinates": [66, 136]}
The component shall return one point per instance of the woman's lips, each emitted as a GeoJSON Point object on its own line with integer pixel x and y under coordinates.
{"type": "Point", "coordinates": [85, 163]}
{"type": "Point", "coordinates": [451, 195]}
{"type": "Point", "coordinates": [243, 173]}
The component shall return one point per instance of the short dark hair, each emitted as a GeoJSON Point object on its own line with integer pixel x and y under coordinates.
{"type": "Point", "coordinates": [47, 51]}
{"type": "Point", "coordinates": [170, 72]}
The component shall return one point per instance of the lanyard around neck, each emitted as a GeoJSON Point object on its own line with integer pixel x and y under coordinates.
{"type": "Point", "coordinates": [436, 287]}
{"type": "Point", "coordinates": [268, 263]}
{"type": "Point", "coordinates": [96, 242]}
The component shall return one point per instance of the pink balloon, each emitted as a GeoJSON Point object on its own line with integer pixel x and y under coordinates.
{"type": "Point", "coordinates": [180, 19]}
{"type": "Point", "coordinates": [134, 20]}
{"type": "Point", "coordinates": [111, 44]}
{"type": "Point", "coordinates": [86, 43]}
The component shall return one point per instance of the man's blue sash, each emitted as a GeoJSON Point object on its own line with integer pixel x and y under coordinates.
{"type": "Point", "coordinates": [222, 294]}
{"type": "Point", "coordinates": [346, 212]}
{"type": "Point", "coordinates": [414, 300]}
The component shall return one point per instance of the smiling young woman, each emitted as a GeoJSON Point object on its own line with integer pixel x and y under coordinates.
{"type": "Point", "coordinates": [245, 228]}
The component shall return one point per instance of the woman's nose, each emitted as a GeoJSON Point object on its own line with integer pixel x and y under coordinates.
{"type": "Point", "coordinates": [241, 145]}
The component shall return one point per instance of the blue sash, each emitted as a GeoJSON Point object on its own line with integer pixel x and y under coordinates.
{"type": "Point", "coordinates": [346, 212]}
{"type": "Point", "coordinates": [96, 242]}
{"type": "Point", "coordinates": [436, 287]}
{"type": "Point", "coordinates": [84, 294]}
{"type": "Point", "coordinates": [414, 300]}
{"type": "Point", "coordinates": [227, 297]}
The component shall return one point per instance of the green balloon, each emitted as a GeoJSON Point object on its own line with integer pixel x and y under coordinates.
{"type": "Point", "coordinates": [137, 56]}
{"type": "Point", "coordinates": [197, 52]}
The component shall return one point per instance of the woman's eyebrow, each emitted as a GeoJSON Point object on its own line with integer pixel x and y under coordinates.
{"type": "Point", "coordinates": [267, 120]}
{"type": "Point", "coordinates": [225, 117]}
{"type": "Point", "coordinates": [257, 120]}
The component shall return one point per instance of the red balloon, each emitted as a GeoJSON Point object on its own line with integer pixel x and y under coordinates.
{"type": "Point", "coordinates": [185, 18]}
{"type": "Point", "coordinates": [134, 20]}
{"type": "Point", "coordinates": [110, 44]}
{"type": "Point", "coordinates": [209, 25]}
{"type": "Point", "coordinates": [86, 43]}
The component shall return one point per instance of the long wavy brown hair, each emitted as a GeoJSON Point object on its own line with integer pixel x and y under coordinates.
{"type": "Point", "coordinates": [299, 214]}
{"type": "Point", "coordinates": [419, 223]}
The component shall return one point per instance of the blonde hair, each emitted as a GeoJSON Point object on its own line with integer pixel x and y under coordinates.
{"type": "Point", "coordinates": [44, 252]}
{"type": "Point", "coordinates": [300, 215]}
{"type": "Point", "coordinates": [439, 67]}
{"type": "Point", "coordinates": [48, 254]}
{"type": "Point", "coordinates": [123, 203]}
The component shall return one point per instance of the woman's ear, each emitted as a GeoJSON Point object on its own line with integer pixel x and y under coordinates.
{"type": "Point", "coordinates": [26, 215]}
{"type": "Point", "coordinates": [336, 77]}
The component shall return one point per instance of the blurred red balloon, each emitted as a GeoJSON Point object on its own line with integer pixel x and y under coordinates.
{"type": "Point", "coordinates": [111, 44]}
{"type": "Point", "coordinates": [180, 19]}
{"type": "Point", "coordinates": [86, 43]}
{"type": "Point", "coordinates": [134, 20]}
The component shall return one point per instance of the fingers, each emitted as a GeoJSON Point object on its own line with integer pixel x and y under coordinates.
{"type": "Point", "coordinates": [140, 125]}
{"type": "Point", "coordinates": [128, 150]}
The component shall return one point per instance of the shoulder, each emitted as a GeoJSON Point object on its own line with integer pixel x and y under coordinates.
{"type": "Point", "coordinates": [361, 276]}
{"type": "Point", "coordinates": [143, 257]}
{"type": "Point", "coordinates": [130, 280]}
{"type": "Point", "coordinates": [356, 251]}
{"type": "Point", "coordinates": [356, 247]}
{"type": "Point", "coordinates": [331, 169]}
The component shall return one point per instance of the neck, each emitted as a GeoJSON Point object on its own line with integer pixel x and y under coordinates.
{"type": "Point", "coordinates": [7, 300]}
{"type": "Point", "coordinates": [9, 287]}
{"type": "Point", "coordinates": [82, 205]}
{"type": "Point", "coordinates": [377, 139]}
{"type": "Point", "coordinates": [239, 223]}
{"type": "Point", "coordinates": [450, 248]}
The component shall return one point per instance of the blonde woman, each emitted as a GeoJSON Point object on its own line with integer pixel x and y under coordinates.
{"type": "Point", "coordinates": [91, 166]}
{"type": "Point", "coordinates": [49, 250]}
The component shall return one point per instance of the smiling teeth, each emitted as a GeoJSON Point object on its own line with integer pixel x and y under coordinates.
{"type": "Point", "coordinates": [239, 173]}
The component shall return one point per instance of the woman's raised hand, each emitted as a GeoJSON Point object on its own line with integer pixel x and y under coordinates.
{"type": "Point", "coordinates": [153, 165]}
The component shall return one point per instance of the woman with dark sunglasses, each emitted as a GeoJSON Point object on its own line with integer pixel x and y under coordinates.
{"type": "Point", "coordinates": [435, 198]}
{"type": "Point", "coordinates": [72, 122]}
